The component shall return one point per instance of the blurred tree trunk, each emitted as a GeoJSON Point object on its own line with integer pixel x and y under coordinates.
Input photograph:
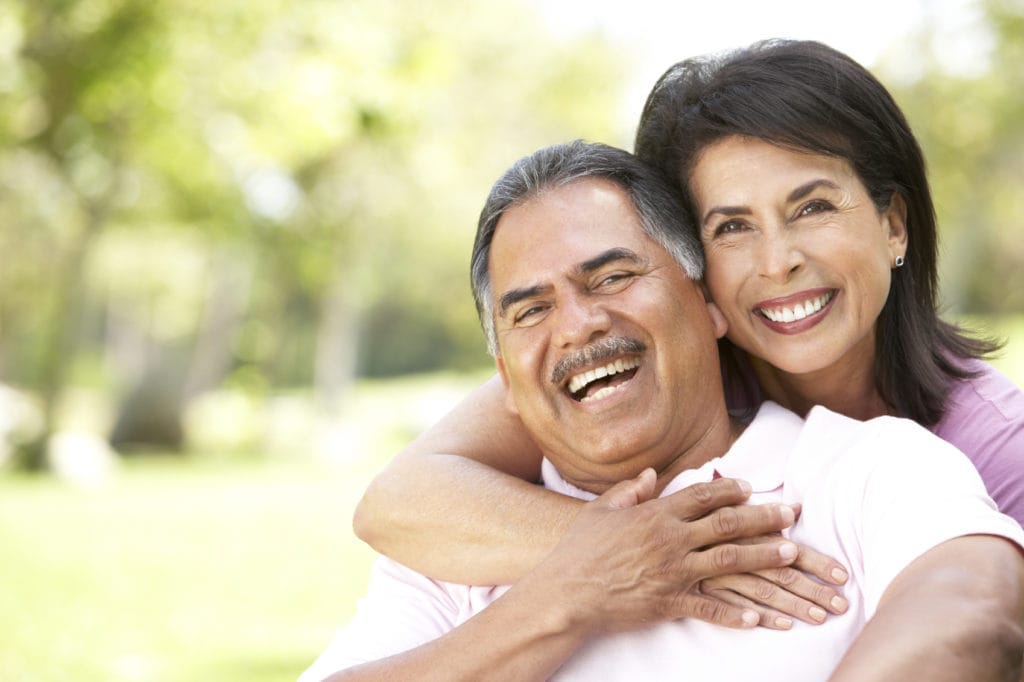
{"type": "Point", "coordinates": [58, 343]}
{"type": "Point", "coordinates": [336, 343]}
{"type": "Point", "coordinates": [151, 414]}
{"type": "Point", "coordinates": [213, 352]}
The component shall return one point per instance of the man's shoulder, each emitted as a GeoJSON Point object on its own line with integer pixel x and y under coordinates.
{"type": "Point", "coordinates": [834, 447]}
{"type": "Point", "coordinates": [838, 431]}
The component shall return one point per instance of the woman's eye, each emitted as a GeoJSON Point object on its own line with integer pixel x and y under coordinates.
{"type": "Point", "coordinates": [812, 207]}
{"type": "Point", "coordinates": [729, 227]}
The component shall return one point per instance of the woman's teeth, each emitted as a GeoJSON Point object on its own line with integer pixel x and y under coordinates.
{"type": "Point", "coordinates": [798, 311]}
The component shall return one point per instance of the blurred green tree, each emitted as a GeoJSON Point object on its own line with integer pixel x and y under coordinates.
{"type": "Point", "coordinates": [970, 120]}
{"type": "Point", "coordinates": [264, 193]}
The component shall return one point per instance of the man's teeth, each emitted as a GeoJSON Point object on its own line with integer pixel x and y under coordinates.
{"type": "Point", "coordinates": [798, 311]}
{"type": "Point", "coordinates": [620, 365]}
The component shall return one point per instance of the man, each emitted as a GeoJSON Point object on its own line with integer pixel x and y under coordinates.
{"type": "Point", "coordinates": [587, 286]}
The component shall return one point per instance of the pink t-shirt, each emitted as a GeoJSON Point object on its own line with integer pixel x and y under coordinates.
{"type": "Point", "coordinates": [984, 419]}
{"type": "Point", "coordinates": [851, 478]}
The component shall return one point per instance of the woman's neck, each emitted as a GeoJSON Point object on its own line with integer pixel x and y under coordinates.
{"type": "Point", "coordinates": [847, 388]}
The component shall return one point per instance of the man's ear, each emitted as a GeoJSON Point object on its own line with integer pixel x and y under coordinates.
{"type": "Point", "coordinates": [896, 216]}
{"type": "Point", "coordinates": [718, 322]}
{"type": "Point", "coordinates": [510, 404]}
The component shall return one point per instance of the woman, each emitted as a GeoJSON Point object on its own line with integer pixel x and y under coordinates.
{"type": "Point", "coordinates": [807, 187]}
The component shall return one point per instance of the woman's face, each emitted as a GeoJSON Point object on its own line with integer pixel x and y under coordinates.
{"type": "Point", "coordinates": [798, 257]}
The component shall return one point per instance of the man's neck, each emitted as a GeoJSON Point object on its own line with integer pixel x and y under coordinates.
{"type": "Point", "coordinates": [711, 438]}
{"type": "Point", "coordinates": [714, 442]}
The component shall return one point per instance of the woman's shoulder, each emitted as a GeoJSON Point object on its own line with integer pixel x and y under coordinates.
{"type": "Point", "coordinates": [984, 419]}
{"type": "Point", "coordinates": [989, 395]}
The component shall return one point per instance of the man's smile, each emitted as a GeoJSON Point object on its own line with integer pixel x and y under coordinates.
{"type": "Point", "coordinates": [598, 382]}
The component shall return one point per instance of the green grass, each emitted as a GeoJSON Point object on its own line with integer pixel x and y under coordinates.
{"type": "Point", "coordinates": [178, 571]}
{"type": "Point", "coordinates": [222, 567]}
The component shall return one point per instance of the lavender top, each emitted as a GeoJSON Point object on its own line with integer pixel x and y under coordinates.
{"type": "Point", "coordinates": [984, 419]}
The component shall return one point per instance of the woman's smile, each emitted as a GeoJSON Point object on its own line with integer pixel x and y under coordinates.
{"type": "Point", "coordinates": [795, 313]}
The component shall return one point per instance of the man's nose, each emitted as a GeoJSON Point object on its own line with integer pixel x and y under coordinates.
{"type": "Point", "coordinates": [579, 320]}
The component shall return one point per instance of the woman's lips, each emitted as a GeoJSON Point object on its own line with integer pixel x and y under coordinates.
{"type": "Point", "coordinates": [795, 313]}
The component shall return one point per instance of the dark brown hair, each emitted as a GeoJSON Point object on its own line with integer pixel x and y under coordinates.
{"type": "Point", "coordinates": [807, 96]}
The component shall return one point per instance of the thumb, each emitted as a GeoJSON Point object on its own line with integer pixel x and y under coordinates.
{"type": "Point", "coordinates": [630, 492]}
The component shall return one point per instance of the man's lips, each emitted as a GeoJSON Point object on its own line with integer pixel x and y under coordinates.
{"type": "Point", "coordinates": [594, 354]}
{"type": "Point", "coordinates": [601, 381]}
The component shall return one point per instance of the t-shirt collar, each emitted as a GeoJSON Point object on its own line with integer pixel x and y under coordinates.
{"type": "Point", "coordinates": [758, 456]}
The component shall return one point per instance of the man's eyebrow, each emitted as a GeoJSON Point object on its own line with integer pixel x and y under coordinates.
{"type": "Point", "coordinates": [797, 194]}
{"type": "Point", "coordinates": [510, 298]}
{"type": "Point", "coordinates": [609, 256]}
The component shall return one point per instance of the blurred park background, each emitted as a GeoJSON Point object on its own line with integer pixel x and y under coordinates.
{"type": "Point", "coordinates": [233, 275]}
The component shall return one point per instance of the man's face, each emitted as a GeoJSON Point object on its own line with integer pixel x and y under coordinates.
{"type": "Point", "coordinates": [606, 346]}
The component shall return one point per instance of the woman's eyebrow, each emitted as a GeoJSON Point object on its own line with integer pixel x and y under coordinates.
{"type": "Point", "coordinates": [797, 194]}
{"type": "Point", "coordinates": [808, 187]}
{"type": "Point", "coordinates": [725, 211]}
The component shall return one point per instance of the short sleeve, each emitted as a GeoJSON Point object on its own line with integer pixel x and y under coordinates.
{"type": "Point", "coordinates": [401, 611]}
{"type": "Point", "coordinates": [929, 493]}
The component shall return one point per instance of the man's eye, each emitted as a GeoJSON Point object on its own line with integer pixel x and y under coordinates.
{"type": "Point", "coordinates": [617, 278]}
{"type": "Point", "coordinates": [528, 313]}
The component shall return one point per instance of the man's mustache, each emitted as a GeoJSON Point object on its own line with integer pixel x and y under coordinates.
{"type": "Point", "coordinates": [602, 349]}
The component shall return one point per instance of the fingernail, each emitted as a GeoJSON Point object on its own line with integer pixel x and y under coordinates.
{"type": "Point", "coordinates": [744, 486]}
{"type": "Point", "coordinates": [750, 618]}
{"type": "Point", "coordinates": [788, 551]}
{"type": "Point", "coordinates": [817, 613]}
{"type": "Point", "coordinates": [839, 575]}
{"type": "Point", "coordinates": [784, 623]}
{"type": "Point", "coordinates": [787, 514]}
{"type": "Point", "coordinates": [839, 604]}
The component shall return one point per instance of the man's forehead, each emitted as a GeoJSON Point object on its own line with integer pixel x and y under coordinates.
{"type": "Point", "coordinates": [563, 231]}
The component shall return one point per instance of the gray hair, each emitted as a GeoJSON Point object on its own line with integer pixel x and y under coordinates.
{"type": "Point", "coordinates": [658, 206]}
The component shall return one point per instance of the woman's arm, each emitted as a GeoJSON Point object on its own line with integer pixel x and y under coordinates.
{"type": "Point", "coordinates": [582, 588]}
{"type": "Point", "coordinates": [456, 504]}
{"type": "Point", "coordinates": [471, 517]}
{"type": "Point", "coordinates": [955, 613]}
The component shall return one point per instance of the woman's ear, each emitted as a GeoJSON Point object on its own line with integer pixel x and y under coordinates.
{"type": "Point", "coordinates": [718, 322]}
{"type": "Point", "coordinates": [896, 217]}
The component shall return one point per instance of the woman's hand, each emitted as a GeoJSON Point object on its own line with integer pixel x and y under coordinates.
{"type": "Point", "coordinates": [806, 590]}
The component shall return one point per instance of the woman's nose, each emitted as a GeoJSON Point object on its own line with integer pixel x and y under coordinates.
{"type": "Point", "coordinates": [780, 257]}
